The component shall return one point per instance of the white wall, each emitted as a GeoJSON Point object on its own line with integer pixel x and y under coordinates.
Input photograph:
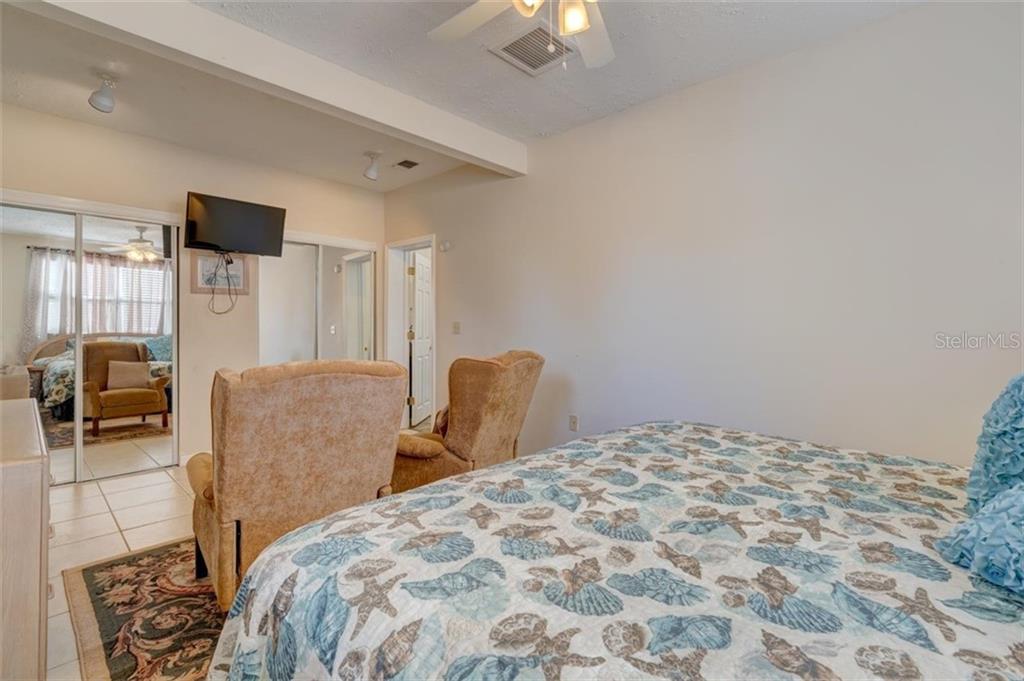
{"type": "Point", "coordinates": [52, 155]}
{"type": "Point", "coordinates": [772, 250]}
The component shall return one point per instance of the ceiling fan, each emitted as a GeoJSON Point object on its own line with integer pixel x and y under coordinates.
{"type": "Point", "coordinates": [575, 18]}
{"type": "Point", "coordinates": [139, 249]}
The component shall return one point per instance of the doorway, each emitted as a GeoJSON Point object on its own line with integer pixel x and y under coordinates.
{"type": "Point", "coordinates": [410, 302]}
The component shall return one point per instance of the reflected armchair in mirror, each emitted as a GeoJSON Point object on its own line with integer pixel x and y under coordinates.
{"type": "Point", "coordinates": [117, 383]}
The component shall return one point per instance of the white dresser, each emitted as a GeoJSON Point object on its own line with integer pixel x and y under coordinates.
{"type": "Point", "coordinates": [24, 534]}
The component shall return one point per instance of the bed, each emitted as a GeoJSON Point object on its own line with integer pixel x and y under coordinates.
{"type": "Point", "coordinates": [663, 550]}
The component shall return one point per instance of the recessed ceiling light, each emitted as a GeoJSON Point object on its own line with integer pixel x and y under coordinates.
{"type": "Point", "coordinates": [103, 99]}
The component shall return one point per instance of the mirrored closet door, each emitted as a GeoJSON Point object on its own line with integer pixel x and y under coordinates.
{"type": "Point", "coordinates": [100, 364]}
{"type": "Point", "coordinates": [127, 308]}
{"type": "Point", "coordinates": [39, 284]}
{"type": "Point", "coordinates": [316, 302]}
{"type": "Point", "coordinates": [346, 303]}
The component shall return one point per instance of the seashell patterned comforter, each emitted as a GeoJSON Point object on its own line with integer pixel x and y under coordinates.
{"type": "Point", "coordinates": [665, 550]}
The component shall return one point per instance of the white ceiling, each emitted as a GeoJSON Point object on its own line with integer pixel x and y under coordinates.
{"type": "Point", "coordinates": [51, 67]}
{"type": "Point", "coordinates": [659, 46]}
{"type": "Point", "coordinates": [95, 230]}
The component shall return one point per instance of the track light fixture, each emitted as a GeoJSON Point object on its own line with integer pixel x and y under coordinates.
{"type": "Point", "coordinates": [103, 99]}
{"type": "Point", "coordinates": [372, 171]}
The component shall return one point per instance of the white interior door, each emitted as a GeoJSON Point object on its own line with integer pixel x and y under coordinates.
{"type": "Point", "coordinates": [287, 305]}
{"type": "Point", "coordinates": [421, 344]}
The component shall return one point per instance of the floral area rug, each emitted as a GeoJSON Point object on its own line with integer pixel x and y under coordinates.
{"type": "Point", "coordinates": [61, 434]}
{"type": "Point", "coordinates": [144, 616]}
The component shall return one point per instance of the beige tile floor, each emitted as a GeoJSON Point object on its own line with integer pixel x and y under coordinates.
{"type": "Point", "coordinates": [101, 519]}
{"type": "Point", "coordinates": [112, 458]}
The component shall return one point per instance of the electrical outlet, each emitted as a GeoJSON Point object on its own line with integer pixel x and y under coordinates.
{"type": "Point", "coordinates": [574, 423]}
{"type": "Point", "coordinates": [334, 330]}
{"type": "Point", "coordinates": [456, 328]}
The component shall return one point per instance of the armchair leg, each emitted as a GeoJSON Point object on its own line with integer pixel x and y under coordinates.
{"type": "Point", "coordinates": [95, 426]}
{"type": "Point", "coordinates": [164, 415]}
{"type": "Point", "coordinates": [201, 570]}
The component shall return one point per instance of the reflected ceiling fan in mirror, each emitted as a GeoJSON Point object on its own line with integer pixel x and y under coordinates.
{"type": "Point", "coordinates": [576, 18]}
{"type": "Point", "coordinates": [139, 249]}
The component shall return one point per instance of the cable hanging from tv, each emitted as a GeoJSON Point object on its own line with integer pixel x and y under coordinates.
{"type": "Point", "coordinates": [224, 260]}
{"type": "Point", "coordinates": [226, 226]}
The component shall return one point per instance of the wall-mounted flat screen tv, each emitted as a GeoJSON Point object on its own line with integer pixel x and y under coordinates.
{"type": "Point", "coordinates": [214, 223]}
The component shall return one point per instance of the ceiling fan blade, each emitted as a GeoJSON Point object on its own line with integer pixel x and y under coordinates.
{"type": "Point", "coordinates": [594, 44]}
{"type": "Point", "coordinates": [469, 19]}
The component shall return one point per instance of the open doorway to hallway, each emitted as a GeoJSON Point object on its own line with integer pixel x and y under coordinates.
{"type": "Point", "coordinates": [410, 324]}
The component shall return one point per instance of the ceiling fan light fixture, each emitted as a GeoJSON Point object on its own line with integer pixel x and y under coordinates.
{"type": "Point", "coordinates": [527, 7]}
{"type": "Point", "coordinates": [572, 17]}
{"type": "Point", "coordinates": [140, 253]}
{"type": "Point", "coordinates": [372, 171]}
{"type": "Point", "coordinates": [140, 249]}
{"type": "Point", "coordinates": [103, 99]}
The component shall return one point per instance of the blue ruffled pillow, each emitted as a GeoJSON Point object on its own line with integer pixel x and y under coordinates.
{"type": "Point", "coordinates": [991, 544]}
{"type": "Point", "coordinates": [45, 361]}
{"type": "Point", "coordinates": [999, 461]}
{"type": "Point", "coordinates": [160, 348]}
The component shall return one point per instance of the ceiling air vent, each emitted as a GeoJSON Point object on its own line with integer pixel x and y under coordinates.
{"type": "Point", "coordinates": [529, 52]}
{"type": "Point", "coordinates": [407, 164]}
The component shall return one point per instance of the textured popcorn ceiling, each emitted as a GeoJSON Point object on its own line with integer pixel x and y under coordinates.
{"type": "Point", "coordinates": [51, 67]}
{"type": "Point", "coordinates": [659, 46]}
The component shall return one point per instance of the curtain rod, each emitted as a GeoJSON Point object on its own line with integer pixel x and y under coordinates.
{"type": "Point", "coordinates": [47, 248]}
{"type": "Point", "coordinates": [71, 251]}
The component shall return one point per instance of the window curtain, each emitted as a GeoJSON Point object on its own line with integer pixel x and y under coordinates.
{"type": "Point", "coordinates": [49, 296]}
{"type": "Point", "coordinates": [118, 295]}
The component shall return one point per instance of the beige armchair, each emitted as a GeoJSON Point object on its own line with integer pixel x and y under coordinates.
{"type": "Point", "coordinates": [488, 399]}
{"type": "Point", "coordinates": [291, 443]}
{"type": "Point", "coordinates": [104, 403]}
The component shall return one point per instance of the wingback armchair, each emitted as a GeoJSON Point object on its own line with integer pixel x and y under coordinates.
{"type": "Point", "coordinates": [292, 443]}
{"type": "Point", "coordinates": [487, 403]}
{"type": "Point", "coordinates": [104, 403]}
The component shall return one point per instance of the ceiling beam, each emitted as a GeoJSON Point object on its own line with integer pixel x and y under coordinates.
{"type": "Point", "coordinates": [188, 34]}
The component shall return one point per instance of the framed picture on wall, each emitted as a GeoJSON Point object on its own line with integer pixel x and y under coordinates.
{"type": "Point", "coordinates": [208, 273]}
